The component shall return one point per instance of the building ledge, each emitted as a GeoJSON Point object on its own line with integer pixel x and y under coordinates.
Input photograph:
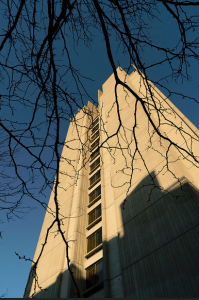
{"type": "Point", "coordinates": [94, 222]}
{"type": "Point", "coordinates": [96, 249]}
{"type": "Point", "coordinates": [95, 200]}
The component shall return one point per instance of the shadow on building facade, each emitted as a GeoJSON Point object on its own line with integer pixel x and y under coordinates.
{"type": "Point", "coordinates": [157, 247]}
{"type": "Point", "coordinates": [58, 289]}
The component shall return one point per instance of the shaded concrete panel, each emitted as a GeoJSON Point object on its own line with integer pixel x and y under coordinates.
{"type": "Point", "coordinates": [65, 284]}
{"type": "Point", "coordinates": [79, 276]}
{"type": "Point", "coordinates": [116, 288]}
{"type": "Point", "coordinates": [51, 288]}
{"type": "Point", "coordinates": [137, 201]}
{"type": "Point", "coordinates": [171, 271]}
{"type": "Point", "coordinates": [98, 294]}
{"type": "Point", "coordinates": [114, 257]}
{"type": "Point", "coordinates": [55, 289]}
{"type": "Point", "coordinates": [46, 276]}
{"type": "Point", "coordinates": [162, 222]}
{"type": "Point", "coordinates": [195, 174]}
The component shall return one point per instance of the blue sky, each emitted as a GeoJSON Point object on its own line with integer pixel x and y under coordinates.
{"type": "Point", "coordinates": [21, 236]}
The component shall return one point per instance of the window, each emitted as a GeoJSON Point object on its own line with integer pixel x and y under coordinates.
{"type": "Point", "coordinates": [95, 178]}
{"type": "Point", "coordinates": [95, 144]}
{"type": "Point", "coordinates": [94, 274]}
{"type": "Point", "coordinates": [94, 129]}
{"type": "Point", "coordinates": [95, 165]}
{"type": "Point", "coordinates": [96, 213]}
{"type": "Point", "coordinates": [95, 122]}
{"type": "Point", "coordinates": [94, 154]}
{"type": "Point", "coordinates": [94, 240]}
{"type": "Point", "coordinates": [95, 194]}
{"type": "Point", "coordinates": [96, 134]}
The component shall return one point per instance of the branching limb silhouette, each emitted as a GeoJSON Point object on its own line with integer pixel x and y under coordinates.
{"type": "Point", "coordinates": [40, 82]}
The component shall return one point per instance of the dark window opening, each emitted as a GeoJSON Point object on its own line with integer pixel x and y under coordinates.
{"type": "Point", "coordinates": [95, 164]}
{"type": "Point", "coordinates": [94, 274]}
{"type": "Point", "coordinates": [94, 154]}
{"type": "Point", "coordinates": [94, 240]}
{"type": "Point", "coordinates": [96, 213]}
{"type": "Point", "coordinates": [95, 194]}
{"type": "Point", "coordinates": [95, 177]}
{"type": "Point", "coordinates": [95, 144]}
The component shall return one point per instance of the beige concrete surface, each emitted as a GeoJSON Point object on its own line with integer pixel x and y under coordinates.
{"type": "Point", "coordinates": [149, 199]}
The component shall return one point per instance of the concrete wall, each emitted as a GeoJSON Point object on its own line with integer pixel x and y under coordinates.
{"type": "Point", "coordinates": [52, 269]}
{"type": "Point", "coordinates": [152, 236]}
{"type": "Point", "coordinates": [150, 200]}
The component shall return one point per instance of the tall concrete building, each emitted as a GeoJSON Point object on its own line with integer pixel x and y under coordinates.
{"type": "Point", "coordinates": [128, 200]}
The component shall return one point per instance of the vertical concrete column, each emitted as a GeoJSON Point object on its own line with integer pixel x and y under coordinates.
{"type": "Point", "coordinates": [111, 256]}
{"type": "Point", "coordinates": [79, 206]}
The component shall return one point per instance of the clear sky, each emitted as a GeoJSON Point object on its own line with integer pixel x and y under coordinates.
{"type": "Point", "coordinates": [21, 236]}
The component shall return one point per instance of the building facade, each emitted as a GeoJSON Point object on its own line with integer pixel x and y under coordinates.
{"type": "Point", "coordinates": [128, 200]}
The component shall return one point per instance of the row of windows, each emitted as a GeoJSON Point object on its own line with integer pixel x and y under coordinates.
{"type": "Point", "coordinates": [95, 177]}
{"type": "Point", "coordinates": [95, 134]}
{"type": "Point", "coordinates": [94, 274]}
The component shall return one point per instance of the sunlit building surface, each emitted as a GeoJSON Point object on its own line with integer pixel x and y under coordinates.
{"type": "Point", "coordinates": [130, 208]}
